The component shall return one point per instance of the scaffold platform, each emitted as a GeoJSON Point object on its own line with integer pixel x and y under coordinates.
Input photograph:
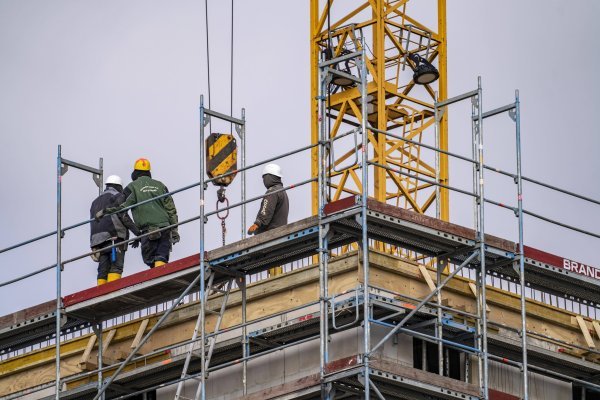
{"type": "Point", "coordinates": [386, 223]}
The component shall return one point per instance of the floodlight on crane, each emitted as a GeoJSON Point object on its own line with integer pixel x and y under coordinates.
{"type": "Point", "coordinates": [424, 72]}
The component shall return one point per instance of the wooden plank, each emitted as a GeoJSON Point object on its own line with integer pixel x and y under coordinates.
{"type": "Point", "coordinates": [89, 365]}
{"type": "Point", "coordinates": [108, 339]}
{"type": "Point", "coordinates": [586, 332]}
{"type": "Point", "coordinates": [473, 288]}
{"type": "Point", "coordinates": [140, 333]}
{"type": "Point", "coordinates": [596, 326]}
{"type": "Point", "coordinates": [427, 277]}
{"type": "Point", "coordinates": [117, 355]}
{"type": "Point", "coordinates": [88, 350]}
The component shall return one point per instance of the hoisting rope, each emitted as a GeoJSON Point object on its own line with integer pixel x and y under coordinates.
{"type": "Point", "coordinates": [221, 197]}
{"type": "Point", "coordinates": [231, 73]}
{"type": "Point", "coordinates": [230, 56]}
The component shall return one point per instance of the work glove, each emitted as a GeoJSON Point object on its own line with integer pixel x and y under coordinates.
{"type": "Point", "coordinates": [252, 229]}
{"type": "Point", "coordinates": [99, 215]}
{"type": "Point", "coordinates": [135, 230]}
{"type": "Point", "coordinates": [135, 244]}
{"type": "Point", "coordinates": [174, 236]}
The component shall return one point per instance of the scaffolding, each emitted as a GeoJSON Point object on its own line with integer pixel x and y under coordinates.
{"type": "Point", "coordinates": [360, 219]}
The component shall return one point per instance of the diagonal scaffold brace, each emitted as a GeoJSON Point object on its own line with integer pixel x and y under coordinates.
{"type": "Point", "coordinates": [212, 289]}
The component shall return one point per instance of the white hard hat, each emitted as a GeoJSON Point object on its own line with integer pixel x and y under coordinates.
{"type": "Point", "coordinates": [272, 169]}
{"type": "Point", "coordinates": [113, 179]}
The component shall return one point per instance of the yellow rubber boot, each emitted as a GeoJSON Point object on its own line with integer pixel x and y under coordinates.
{"type": "Point", "coordinates": [159, 263]}
{"type": "Point", "coordinates": [101, 282]}
{"type": "Point", "coordinates": [113, 277]}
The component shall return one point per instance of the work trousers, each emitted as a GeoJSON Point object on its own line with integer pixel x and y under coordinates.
{"type": "Point", "coordinates": [156, 247]}
{"type": "Point", "coordinates": [110, 262]}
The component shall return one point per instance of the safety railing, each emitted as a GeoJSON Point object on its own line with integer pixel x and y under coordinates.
{"type": "Point", "coordinates": [477, 118]}
{"type": "Point", "coordinates": [168, 306]}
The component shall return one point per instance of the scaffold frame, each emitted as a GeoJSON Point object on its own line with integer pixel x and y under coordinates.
{"type": "Point", "coordinates": [213, 273]}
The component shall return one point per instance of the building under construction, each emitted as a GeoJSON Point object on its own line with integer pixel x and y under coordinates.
{"type": "Point", "coordinates": [376, 295]}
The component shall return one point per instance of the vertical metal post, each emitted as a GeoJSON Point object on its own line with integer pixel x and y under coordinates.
{"type": "Point", "coordinates": [364, 198]}
{"type": "Point", "coordinates": [439, 326]}
{"type": "Point", "coordinates": [59, 173]}
{"type": "Point", "coordinates": [439, 330]}
{"type": "Point", "coordinates": [474, 127]}
{"type": "Point", "coordinates": [481, 238]}
{"type": "Point", "coordinates": [101, 168]}
{"type": "Point", "coordinates": [323, 295]}
{"type": "Point", "coordinates": [517, 117]}
{"type": "Point", "coordinates": [98, 331]}
{"type": "Point", "coordinates": [243, 134]}
{"type": "Point", "coordinates": [244, 337]}
{"type": "Point", "coordinates": [202, 272]}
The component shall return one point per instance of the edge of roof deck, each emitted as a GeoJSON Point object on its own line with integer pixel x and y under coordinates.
{"type": "Point", "coordinates": [179, 268]}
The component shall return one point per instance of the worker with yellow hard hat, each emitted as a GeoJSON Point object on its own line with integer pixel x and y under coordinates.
{"type": "Point", "coordinates": [151, 216]}
{"type": "Point", "coordinates": [141, 164]}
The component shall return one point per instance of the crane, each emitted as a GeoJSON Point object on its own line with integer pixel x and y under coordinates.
{"type": "Point", "coordinates": [396, 42]}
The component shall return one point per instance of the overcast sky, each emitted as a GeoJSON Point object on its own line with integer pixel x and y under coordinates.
{"type": "Point", "coordinates": [122, 80]}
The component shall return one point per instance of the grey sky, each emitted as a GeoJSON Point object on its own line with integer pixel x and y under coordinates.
{"type": "Point", "coordinates": [122, 80]}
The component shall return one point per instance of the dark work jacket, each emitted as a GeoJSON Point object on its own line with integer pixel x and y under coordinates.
{"type": "Point", "coordinates": [274, 207]}
{"type": "Point", "coordinates": [109, 226]}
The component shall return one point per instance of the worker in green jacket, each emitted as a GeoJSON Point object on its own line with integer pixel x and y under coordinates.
{"type": "Point", "coordinates": [150, 217]}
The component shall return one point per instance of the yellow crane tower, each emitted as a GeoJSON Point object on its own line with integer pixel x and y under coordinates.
{"type": "Point", "coordinates": [396, 43]}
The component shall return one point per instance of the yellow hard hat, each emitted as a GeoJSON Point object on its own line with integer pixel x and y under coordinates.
{"type": "Point", "coordinates": [142, 164]}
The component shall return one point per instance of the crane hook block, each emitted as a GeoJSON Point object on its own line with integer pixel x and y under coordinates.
{"type": "Point", "coordinates": [221, 158]}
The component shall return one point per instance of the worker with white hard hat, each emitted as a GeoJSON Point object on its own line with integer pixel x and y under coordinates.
{"type": "Point", "coordinates": [108, 230]}
{"type": "Point", "coordinates": [274, 208]}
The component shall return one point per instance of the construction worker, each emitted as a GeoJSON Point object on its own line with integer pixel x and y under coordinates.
{"type": "Point", "coordinates": [109, 230]}
{"type": "Point", "coordinates": [274, 207]}
{"type": "Point", "coordinates": [151, 216]}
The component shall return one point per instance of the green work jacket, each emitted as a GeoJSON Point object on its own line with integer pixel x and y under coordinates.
{"type": "Point", "coordinates": [154, 214]}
